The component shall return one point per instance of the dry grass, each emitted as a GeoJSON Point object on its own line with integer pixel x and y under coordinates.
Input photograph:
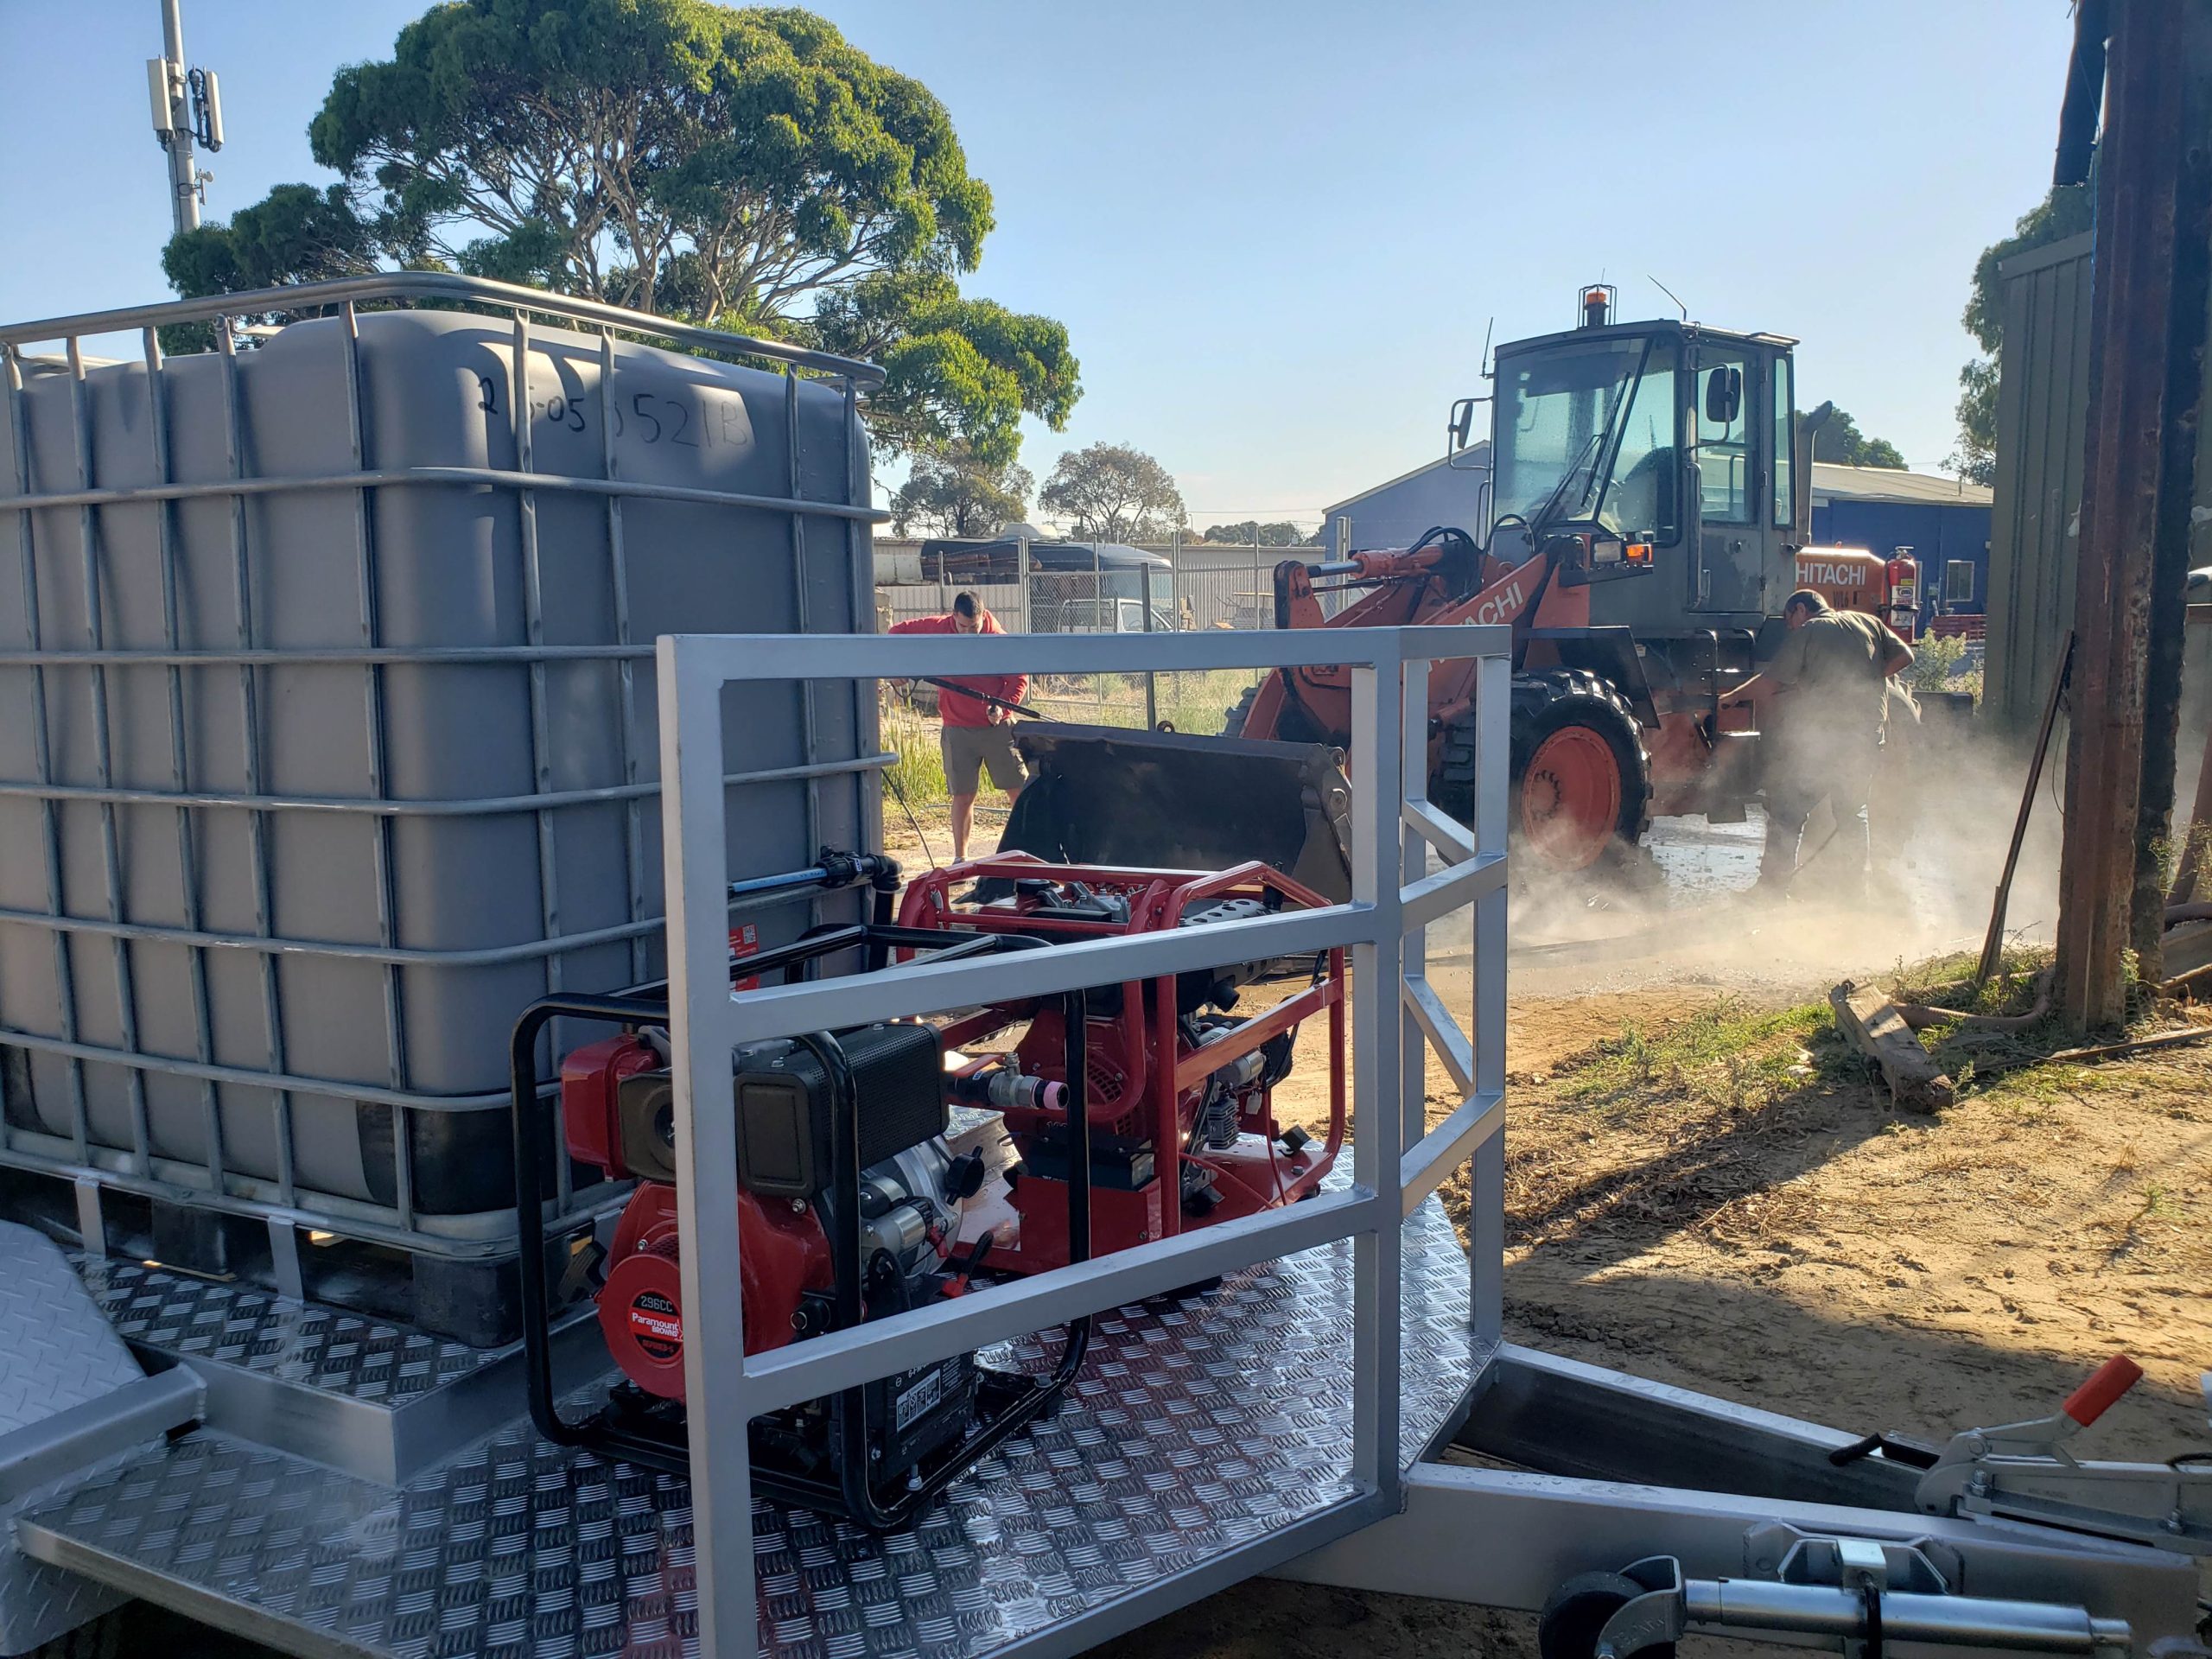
{"type": "Point", "coordinates": [1752, 1128]}
{"type": "Point", "coordinates": [917, 776]}
{"type": "Point", "coordinates": [1665, 1127]}
{"type": "Point", "coordinates": [1196, 701]}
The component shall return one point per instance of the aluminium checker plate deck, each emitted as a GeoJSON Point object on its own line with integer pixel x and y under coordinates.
{"type": "Point", "coordinates": [61, 1354]}
{"type": "Point", "coordinates": [1197, 1426]}
{"type": "Point", "coordinates": [330, 1350]}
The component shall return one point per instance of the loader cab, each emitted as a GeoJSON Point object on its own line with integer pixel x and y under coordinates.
{"type": "Point", "coordinates": [1666, 431]}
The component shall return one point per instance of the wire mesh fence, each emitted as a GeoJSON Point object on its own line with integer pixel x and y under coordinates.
{"type": "Point", "coordinates": [1188, 588]}
{"type": "Point", "coordinates": [1209, 704]}
{"type": "Point", "coordinates": [1074, 590]}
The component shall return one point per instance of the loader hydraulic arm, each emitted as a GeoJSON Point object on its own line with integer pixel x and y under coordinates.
{"type": "Point", "coordinates": [1385, 566]}
{"type": "Point", "coordinates": [1444, 556]}
{"type": "Point", "coordinates": [1298, 603]}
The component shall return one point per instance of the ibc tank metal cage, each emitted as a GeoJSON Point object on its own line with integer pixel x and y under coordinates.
{"type": "Point", "coordinates": [156, 999]}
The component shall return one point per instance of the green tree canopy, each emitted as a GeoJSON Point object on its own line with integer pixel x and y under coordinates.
{"type": "Point", "coordinates": [748, 168]}
{"type": "Point", "coordinates": [1840, 440]}
{"type": "Point", "coordinates": [1251, 532]}
{"type": "Point", "coordinates": [953, 494]}
{"type": "Point", "coordinates": [1114, 493]}
{"type": "Point", "coordinates": [957, 371]}
{"type": "Point", "coordinates": [2065, 212]}
{"type": "Point", "coordinates": [295, 234]}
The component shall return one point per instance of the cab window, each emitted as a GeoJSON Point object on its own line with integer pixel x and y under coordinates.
{"type": "Point", "coordinates": [1785, 495]}
{"type": "Point", "coordinates": [1567, 412]}
{"type": "Point", "coordinates": [1640, 499]}
{"type": "Point", "coordinates": [1724, 445]}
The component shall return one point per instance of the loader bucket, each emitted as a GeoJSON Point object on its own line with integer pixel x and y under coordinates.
{"type": "Point", "coordinates": [1167, 800]}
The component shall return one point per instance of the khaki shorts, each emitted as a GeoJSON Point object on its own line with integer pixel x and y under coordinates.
{"type": "Point", "coordinates": [968, 749]}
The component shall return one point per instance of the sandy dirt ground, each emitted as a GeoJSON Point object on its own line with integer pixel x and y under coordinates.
{"type": "Point", "coordinates": [1793, 1242]}
{"type": "Point", "coordinates": [921, 838]}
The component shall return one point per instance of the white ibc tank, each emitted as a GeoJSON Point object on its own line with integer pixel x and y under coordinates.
{"type": "Point", "coordinates": [351, 761]}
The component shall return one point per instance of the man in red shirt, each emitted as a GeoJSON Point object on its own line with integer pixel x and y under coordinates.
{"type": "Point", "coordinates": [975, 734]}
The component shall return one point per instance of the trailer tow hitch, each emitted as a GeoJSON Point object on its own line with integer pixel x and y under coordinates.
{"type": "Point", "coordinates": [1857, 1592]}
{"type": "Point", "coordinates": [1852, 1593]}
{"type": "Point", "coordinates": [2023, 1471]}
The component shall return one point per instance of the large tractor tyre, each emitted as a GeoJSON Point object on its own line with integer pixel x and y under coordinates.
{"type": "Point", "coordinates": [1581, 783]}
{"type": "Point", "coordinates": [1580, 780]}
{"type": "Point", "coordinates": [1292, 723]}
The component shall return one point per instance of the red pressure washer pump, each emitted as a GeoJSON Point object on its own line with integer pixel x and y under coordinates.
{"type": "Point", "coordinates": [849, 1205]}
{"type": "Point", "coordinates": [1181, 1112]}
{"type": "Point", "coordinates": [617, 1110]}
{"type": "Point", "coordinates": [1147, 1105]}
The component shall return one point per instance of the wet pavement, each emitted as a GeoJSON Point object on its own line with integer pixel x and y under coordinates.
{"type": "Point", "coordinates": [1702, 861]}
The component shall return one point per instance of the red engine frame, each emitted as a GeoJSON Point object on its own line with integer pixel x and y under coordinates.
{"type": "Point", "coordinates": [1130, 1085]}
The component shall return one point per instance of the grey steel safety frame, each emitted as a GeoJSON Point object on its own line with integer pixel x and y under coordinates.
{"type": "Point", "coordinates": [285, 1205]}
{"type": "Point", "coordinates": [1396, 1018]}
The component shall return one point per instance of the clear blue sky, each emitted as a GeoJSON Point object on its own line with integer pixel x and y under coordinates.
{"type": "Point", "coordinates": [1277, 228]}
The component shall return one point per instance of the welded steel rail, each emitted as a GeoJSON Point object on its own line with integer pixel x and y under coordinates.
{"type": "Point", "coordinates": [284, 1202]}
{"type": "Point", "coordinates": [1397, 1018]}
{"type": "Point", "coordinates": [307, 298]}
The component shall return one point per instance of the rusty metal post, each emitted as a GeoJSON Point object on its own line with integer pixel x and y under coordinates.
{"type": "Point", "coordinates": [2178, 492]}
{"type": "Point", "coordinates": [2147, 342]}
{"type": "Point", "coordinates": [1992, 944]}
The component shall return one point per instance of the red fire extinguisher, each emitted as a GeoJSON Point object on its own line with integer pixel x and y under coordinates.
{"type": "Point", "coordinates": [1904, 592]}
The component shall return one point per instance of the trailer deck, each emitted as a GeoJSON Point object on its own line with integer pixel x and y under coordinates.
{"type": "Point", "coordinates": [505, 1545]}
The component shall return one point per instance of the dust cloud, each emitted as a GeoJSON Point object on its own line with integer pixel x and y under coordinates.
{"type": "Point", "coordinates": [1686, 905]}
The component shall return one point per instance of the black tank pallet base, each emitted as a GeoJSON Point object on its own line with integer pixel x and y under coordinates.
{"type": "Point", "coordinates": [471, 1298]}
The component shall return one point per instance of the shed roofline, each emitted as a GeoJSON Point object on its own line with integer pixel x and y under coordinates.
{"type": "Point", "coordinates": [2051, 253]}
{"type": "Point", "coordinates": [1336, 507]}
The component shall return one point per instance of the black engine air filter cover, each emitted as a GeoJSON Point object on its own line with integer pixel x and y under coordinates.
{"type": "Point", "coordinates": [785, 1106]}
{"type": "Point", "coordinates": [783, 1109]}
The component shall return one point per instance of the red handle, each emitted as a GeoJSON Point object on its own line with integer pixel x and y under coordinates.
{"type": "Point", "coordinates": [2111, 1380]}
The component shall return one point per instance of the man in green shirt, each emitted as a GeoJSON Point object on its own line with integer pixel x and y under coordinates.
{"type": "Point", "coordinates": [1832, 678]}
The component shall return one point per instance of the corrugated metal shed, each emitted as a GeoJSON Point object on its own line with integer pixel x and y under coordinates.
{"type": "Point", "coordinates": [1444, 490]}
{"type": "Point", "coordinates": [1833, 481]}
{"type": "Point", "coordinates": [2041, 403]}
